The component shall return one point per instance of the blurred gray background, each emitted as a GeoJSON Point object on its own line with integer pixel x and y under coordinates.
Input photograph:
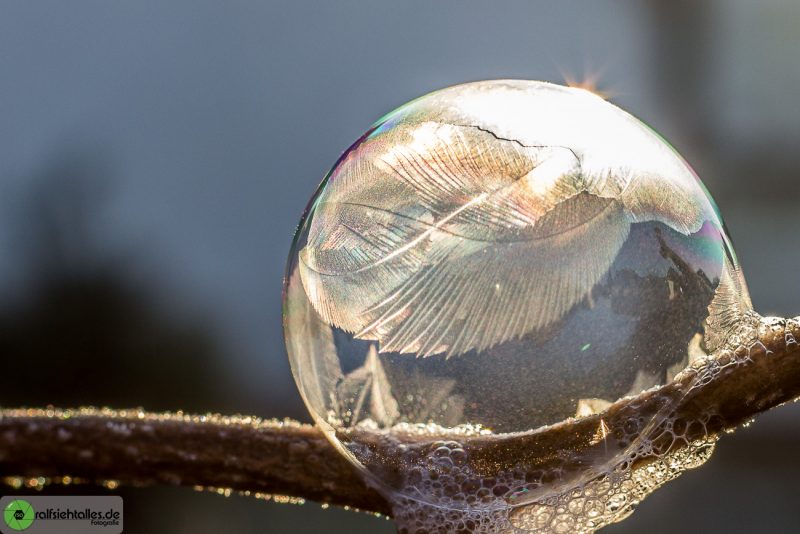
{"type": "Point", "coordinates": [155, 158]}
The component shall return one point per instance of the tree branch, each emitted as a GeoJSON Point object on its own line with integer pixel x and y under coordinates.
{"type": "Point", "coordinates": [287, 458]}
{"type": "Point", "coordinates": [134, 447]}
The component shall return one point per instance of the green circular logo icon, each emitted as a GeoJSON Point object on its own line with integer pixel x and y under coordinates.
{"type": "Point", "coordinates": [18, 514]}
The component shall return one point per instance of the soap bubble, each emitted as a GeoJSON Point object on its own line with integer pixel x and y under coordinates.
{"type": "Point", "coordinates": [491, 259]}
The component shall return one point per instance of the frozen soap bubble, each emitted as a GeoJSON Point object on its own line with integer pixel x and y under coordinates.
{"type": "Point", "coordinates": [488, 260]}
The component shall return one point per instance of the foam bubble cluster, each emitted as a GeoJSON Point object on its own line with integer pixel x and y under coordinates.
{"type": "Point", "coordinates": [542, 496]}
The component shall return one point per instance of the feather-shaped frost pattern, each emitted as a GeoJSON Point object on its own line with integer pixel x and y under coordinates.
{"type": "Point", "coordinates": [437, 238]}
{"type": "Point", "coordinates": [311, 341]}
{"type": "Point", "coordinates": [649, 196]}
{"type": "Point", "coordinates": [366, 393]}
{"type": "Point", "coordinates": [480, 294]}
{"type": "Point", "coordinates": [730, 304]}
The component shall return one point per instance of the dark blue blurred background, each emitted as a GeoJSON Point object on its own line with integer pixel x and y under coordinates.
{"type": "Point", "coordinates": [155, 158]}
